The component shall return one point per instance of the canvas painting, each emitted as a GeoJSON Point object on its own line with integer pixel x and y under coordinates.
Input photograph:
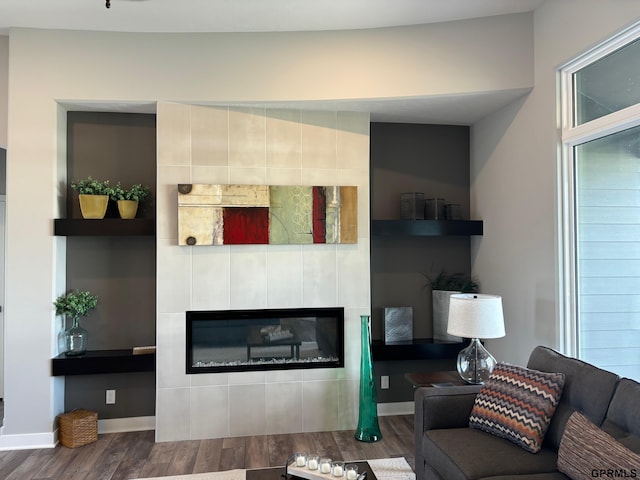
{"type": "Point", "coordinates": [262, 214]}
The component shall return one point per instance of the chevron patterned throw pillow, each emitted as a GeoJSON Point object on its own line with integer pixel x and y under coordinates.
{"type": "Point", "coordinates": [517, 403]}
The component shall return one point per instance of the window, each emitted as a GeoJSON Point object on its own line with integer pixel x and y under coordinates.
{"type": "Point", "coordinates": [608, 85]}
{"type": "Point", "coordinates": [600, 205]}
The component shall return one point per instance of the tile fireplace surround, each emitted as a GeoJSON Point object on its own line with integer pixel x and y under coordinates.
{"type": "Point", "coordinates": [228, 145]}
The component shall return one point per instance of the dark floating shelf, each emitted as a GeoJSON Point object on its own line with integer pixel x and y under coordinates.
{"type": "Point", "coordinates": [103, 361]}
{"type": "Point", "coordinates": [104, 227]}
{"type": "Point", "coordinates": [417, 349]}
{"type": "Point", "coordinates": [426, 228]}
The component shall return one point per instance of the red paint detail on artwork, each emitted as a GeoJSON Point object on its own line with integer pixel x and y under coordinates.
{"type": "Point", "coordinates": [319, 212]}
{"type": "Point", "coordinates": [244, 226]}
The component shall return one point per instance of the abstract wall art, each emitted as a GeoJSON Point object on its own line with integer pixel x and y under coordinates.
{"type": "Point", "coordinates": [263, 214]}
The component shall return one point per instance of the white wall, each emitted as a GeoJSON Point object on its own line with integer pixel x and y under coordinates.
{"type": "Point", "coordinates": [52, 68]}
{"type": "Point", "coordinates": [514, 179]}
{"type": "Point", "coordinates": [4, 88]}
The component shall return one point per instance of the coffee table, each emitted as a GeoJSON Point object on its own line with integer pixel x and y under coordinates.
{"type": "Point", "coordinates": [275, 473]}
{"type": "Point", "coordinates": [255, 339]}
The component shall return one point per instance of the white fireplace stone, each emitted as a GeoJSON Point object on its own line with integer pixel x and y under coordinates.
{"type": "Point", "coordinates": [210, 405]}
{"type": "Point", "coordinates": [284, 407]}
{"type": "Point", "coordinates": [247, 410]}
{"type": "Point", "coordinates": [257, 146]}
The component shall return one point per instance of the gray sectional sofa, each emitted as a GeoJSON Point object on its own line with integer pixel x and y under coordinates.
{"type": "Point", "coordinates": [448, 449]}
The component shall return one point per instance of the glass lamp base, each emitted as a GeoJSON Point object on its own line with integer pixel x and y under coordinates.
{"type": "Point", "coordinates": [475, 363]}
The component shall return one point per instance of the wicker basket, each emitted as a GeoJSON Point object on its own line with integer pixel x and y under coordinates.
{"type": "Point", "coordinates": [78, 428]}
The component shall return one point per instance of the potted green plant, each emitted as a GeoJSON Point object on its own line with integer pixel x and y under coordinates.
{"type": "Point", "coordinates": [454, 282]}
{"type": "Point", "coordinates": [75, 305]}
{"type": "Point", "coordinates": [93, 196]}
{"type": "Point", "coordinates": [129, 199]}
{"type": "Point", "coordinates": [443, 286]}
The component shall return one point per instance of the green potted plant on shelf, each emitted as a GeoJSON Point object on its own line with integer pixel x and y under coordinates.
{"type": "Point", "coordinates": [93, 196]}
{"type": "Point", "coordinates": [456, 282]}
{"type": "Point", "coordinates": [129, 199]}
{"type": "Point", "coordinates": [75, 305]}
{"type": "Point", "coordinates": [443, 285]}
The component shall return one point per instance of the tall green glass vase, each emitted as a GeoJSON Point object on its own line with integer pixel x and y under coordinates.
{"type": "Point", "coordinates": [368, 429]}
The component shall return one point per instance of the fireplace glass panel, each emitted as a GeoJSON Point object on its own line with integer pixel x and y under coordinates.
{"type": "Point", "coordinates": [245, 340]}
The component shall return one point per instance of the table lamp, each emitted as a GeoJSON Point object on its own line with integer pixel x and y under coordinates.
{"type": "Point", "coordinates": [475, 316]}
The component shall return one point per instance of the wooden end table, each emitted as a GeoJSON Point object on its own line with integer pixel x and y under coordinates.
{"type": "Point", "coordinates": [435, 379]}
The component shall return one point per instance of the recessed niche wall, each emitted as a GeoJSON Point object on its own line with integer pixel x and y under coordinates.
{"type": "Point", "coordinates": [120, 270]}
{"type": "Point", "coordinates": [434, 160]}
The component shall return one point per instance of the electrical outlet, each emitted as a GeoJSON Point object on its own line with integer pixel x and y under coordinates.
{"type": "Point", "coordinates": [111, 397]}
{"type": "Point", "coordinates": [384, 382]}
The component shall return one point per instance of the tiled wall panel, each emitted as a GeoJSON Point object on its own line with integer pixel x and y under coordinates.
{"type": "Point", "coordinates": [272, 147]}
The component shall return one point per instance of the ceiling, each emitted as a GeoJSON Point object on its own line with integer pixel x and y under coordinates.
{"type": "Point", "coordinates": [245, 15]}
{"type": "Point", "coordinates": [279, 16]}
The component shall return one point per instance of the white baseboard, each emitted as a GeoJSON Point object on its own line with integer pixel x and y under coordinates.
{"type": "Point", "coordinates": [136, 424]}
{"type": "Point", "coordinates": [130, 424]}
{"type": "Point", "coordinates": [27, 441]}
{"type": "Point", "coordinates": [396, 408]}
{"type": "Point", "coordinates": [32, 441]}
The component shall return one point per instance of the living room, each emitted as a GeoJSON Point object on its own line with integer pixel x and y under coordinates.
{"type": "Point", "coordinates": [179, 74]}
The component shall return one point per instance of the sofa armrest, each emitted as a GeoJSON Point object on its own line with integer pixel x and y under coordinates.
{"type": "Point", "coordinates": [444, 407]}
{"type": "Point", "coordinates": [440, 407]}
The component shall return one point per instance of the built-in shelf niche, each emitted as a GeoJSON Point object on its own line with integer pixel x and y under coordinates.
{"type": "Point", "coordinates": [103, 361]}
{"type": "Point", "coordinates": [104, 227]}
{"type": "Point", "coordinates": [426, 228]}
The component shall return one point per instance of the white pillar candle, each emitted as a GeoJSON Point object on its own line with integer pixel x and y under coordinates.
{"type": "Point", "coordinates": [337, 471]}
{"type": "Point", "coordinates": [313, 464]}
{"type": "Point", "coordinates": [300, 459]}
{"type": "Point", "coordinates": [325, 467]}
{"type": "Point", "coordinates": [351, 471]}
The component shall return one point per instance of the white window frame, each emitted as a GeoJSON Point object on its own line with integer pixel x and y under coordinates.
{"type": "Point", "coordinates": [572, 136]}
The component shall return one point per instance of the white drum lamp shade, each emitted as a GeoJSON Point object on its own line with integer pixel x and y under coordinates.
{"type": "Point", "coordinates": [475, 316]}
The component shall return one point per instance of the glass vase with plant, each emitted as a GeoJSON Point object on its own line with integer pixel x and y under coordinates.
{"type": "Point", "coordinates": [75, 305]}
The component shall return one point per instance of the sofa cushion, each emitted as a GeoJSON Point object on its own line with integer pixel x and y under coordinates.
{"type": "Point", "coordinates": [586, 449]}
{"type": "Point", "coordinates": [578, 393]}
{"type": "Point", "coordinates": [467, 453]}
{"type": "Point", "coordinates": [532, 476]}
{"type": "Point", "coordinates": [517, 403]}
{"type": "Point", "coordinates": [623, 417]}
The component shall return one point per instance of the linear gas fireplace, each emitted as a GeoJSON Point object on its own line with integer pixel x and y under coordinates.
{"type": "Point", "coordinates": [277, 339]}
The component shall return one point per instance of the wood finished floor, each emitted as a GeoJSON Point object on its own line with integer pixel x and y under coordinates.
{"type": "Point", "coordinates": [121, 456]}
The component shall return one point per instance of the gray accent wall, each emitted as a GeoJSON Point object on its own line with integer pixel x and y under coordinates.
{"type": "Point", "coordinates": [434, 160]}
{"type": "Point", "coordinates": [121, 271]}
